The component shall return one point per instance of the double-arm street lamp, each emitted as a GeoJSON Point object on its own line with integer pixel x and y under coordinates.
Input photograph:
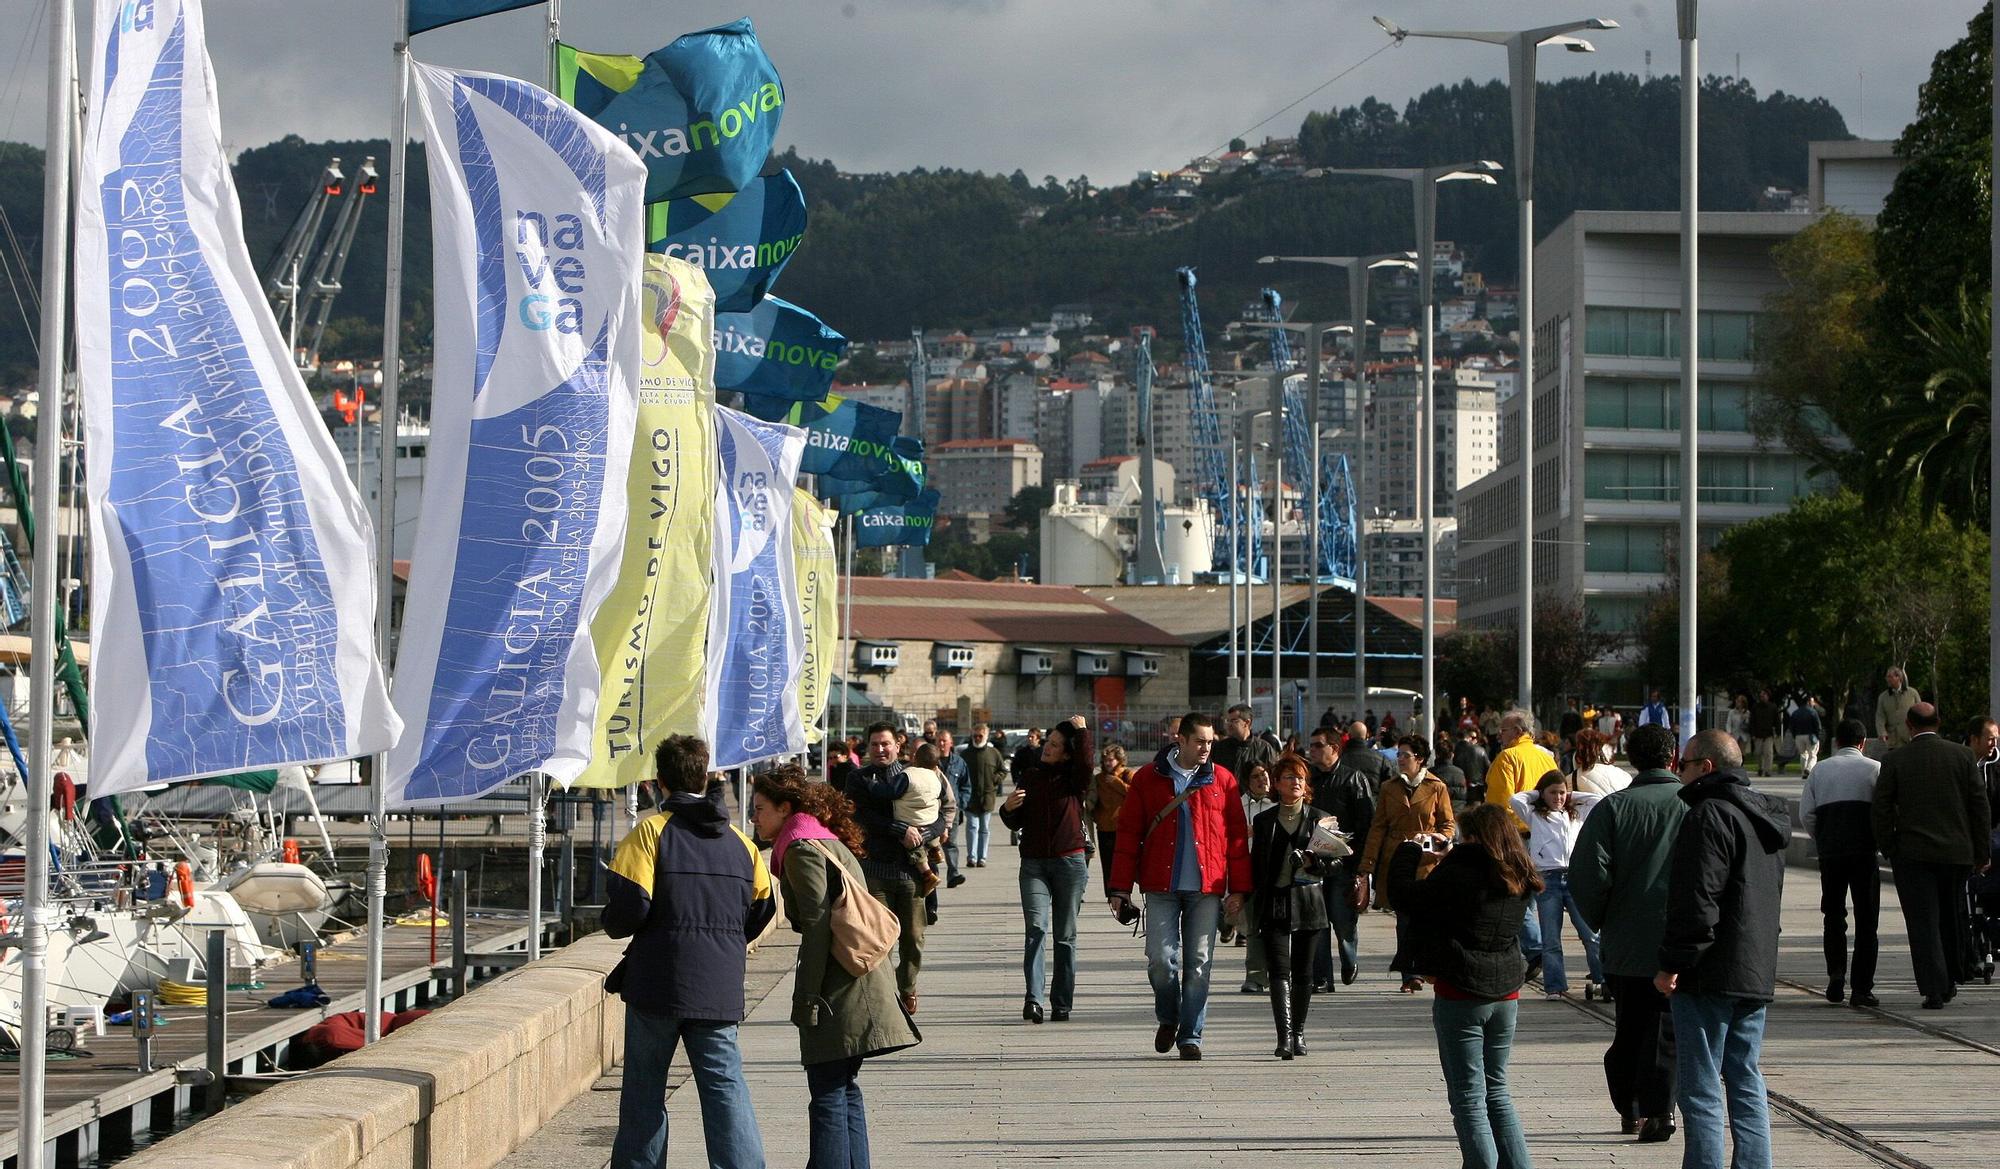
{"type": "Point", "coordinates": [1522, 49]}
{"type": "Point", "coordinates": [1357, 269]}
{"type": "Point", "coordinates": [1423, 181]}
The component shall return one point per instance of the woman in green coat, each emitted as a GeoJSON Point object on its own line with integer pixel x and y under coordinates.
{"type": "Point", "coordinates": [842, 1019]}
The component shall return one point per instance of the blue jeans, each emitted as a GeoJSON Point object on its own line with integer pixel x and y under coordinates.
{"type": "Point", "coordinates": [1180, 942]}
{"type": "Point", "coordinates": [1052, 887]}
{"type": "Point", "coordinates": [1474, 1039]}
{"type": "Point", "coordinates": [1550, 905]}
{"type": "Point", "coordinates": [1717, 1041]}
{"type": "Point", "coordinates": [1340, 911]}
{"type": "Point", "coordinates": [728, 1125]}
{"type": "Point", "coordinates": [978, 835]}
{"type": "Point", "coordinates": [836, 1122]}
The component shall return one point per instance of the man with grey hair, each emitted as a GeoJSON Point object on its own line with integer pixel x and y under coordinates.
{"type": "Point", "coordinates": [1719, 955]}
{"type": "Point", "coordinates": [1892, 707]}
{"type": "Point", "coordinates": [1932, 821]}
{"type": "Point", "coordinates": [1518, 767]}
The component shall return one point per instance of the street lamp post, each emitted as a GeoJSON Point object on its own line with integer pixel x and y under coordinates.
{"type": "Point", "coordinates": [1521, 54]}
{"type": "Point", "coordinates": [1357, 268]}
{"type": "Point", "coordinates": [1690, 377]}
{"type": "Point", "coordinates": [1240, 438]}
{"type": "Point", "coordinates": [1423, 183]}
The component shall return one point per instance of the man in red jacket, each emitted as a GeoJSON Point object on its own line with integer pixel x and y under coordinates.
{"type": "Point", "coordinates": [1182, 835]}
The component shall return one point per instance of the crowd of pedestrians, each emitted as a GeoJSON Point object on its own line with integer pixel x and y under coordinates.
{"type": "Point", "coordinates": [1486, 846]}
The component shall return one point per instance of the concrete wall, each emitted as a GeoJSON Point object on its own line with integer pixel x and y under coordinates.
{"type": "Point", "coordinates": [458, 1090]}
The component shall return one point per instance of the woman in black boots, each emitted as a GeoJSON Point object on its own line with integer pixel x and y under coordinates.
{"type": "Point", "coordinates": [1290, 910]}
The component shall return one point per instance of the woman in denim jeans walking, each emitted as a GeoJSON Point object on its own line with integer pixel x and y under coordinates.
{"type": "Point", "coordinates": [1046, 808]}
{"type": "Point", "coordinates": [1467, 918]}
{"type": "Point", "coordinates": [1554, 815]}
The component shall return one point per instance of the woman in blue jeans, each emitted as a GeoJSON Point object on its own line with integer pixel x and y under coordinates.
{"type": "Point", "coordinates": [1465, 921]}
{"type": "Point", "coordinates": [1046, 808]}
{"type": "Point", "coordinates": [842, 1019]}
{"type": "Point", "coordinates": [1554, 814]}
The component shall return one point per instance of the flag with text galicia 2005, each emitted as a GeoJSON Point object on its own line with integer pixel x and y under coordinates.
{"type": "Point", "coordinates": [897, 523]}
{"type": "Point", "coordinates": [740, 242]}
{"type": "Point", "coordinates": [233, 599]}
{"type": "Point", "coordinates": [755, 645]}
{"type": "Point", "coordinates": [778, 350]}
{"type": "Point", "coordinates": [844, 438]}
{"type": "Point", "coordinates": [652, 632]}
{"type": "Point", "coordinates": [701, 113]}
{"type": "Point", "coordinates": [538, 243]}
{"type": "Point", "coordinates": [429, 14]}
{"type": "Point", "coordinates": [818, 589]}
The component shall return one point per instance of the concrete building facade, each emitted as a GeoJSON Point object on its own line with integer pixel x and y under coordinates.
{"type": "Point", "coordinates": [1607, 415]}
{"type": "Point", "coordinates": [982, 475]}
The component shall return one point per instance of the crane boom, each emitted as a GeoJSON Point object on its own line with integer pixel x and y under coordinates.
{"type": "Point", "coordinates": [1211, 457]}
{"type": "Point", "coordinates": [332, 261]}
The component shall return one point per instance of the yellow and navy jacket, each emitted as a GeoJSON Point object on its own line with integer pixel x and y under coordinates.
{"type": "Point", "coordinates": [691, 891]}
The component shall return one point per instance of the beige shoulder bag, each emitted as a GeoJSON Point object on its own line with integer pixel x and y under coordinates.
{"type": "Point", "coordinates": [864, 931]}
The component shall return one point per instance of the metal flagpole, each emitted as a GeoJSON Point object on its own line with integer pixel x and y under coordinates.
{"type": "Point", "coordinates": [1426, 436]}
{"type": "Point", "coordinates": [538, 832]}
{"type": "Point", "coordinates": [35, 912]}
{"type": "Point", "coordinates": [1357, 311]}
{"type": "Point", "coordinates": [1312, 535]}
{"type": "Point", "coordinates": [1993, 436]}
{"type": "Point", "coordinates": [1690, 384]}
{"type": "Point", "coordinates": [846, 638]}
{"type": "Point", "coordinates": [1235, 530]}
{"type": "Point", "coordinates": [1277, 554]}
{"type": "Point", "coordinates": [377, 876]}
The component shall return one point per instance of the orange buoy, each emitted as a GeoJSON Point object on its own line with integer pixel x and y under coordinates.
{"type": "Point", "coordinates": [292, 852]}
{"type": "Point", "coordinates": [184, 877]}
{"type": "Point", "coordinates": [426, 878]}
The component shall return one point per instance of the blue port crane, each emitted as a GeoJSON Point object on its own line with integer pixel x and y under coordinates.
{"type": "Point", "coordinates": [1211, 451]}
{"type": "Point", "coordinates": [1337, 510]}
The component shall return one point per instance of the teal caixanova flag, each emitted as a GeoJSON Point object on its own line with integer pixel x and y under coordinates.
{"type": "Point", "coordinates": [426, 15]}
{"type": "Point", "coordinates": [778, 350]}
{"type": "Point", "coordinates": [898, 523]}
{"type": "Point", "coordinates": [844, 438]}
{"type": "Point", "coordinates": [701, 113]}
{"type": "Point", "coordinates": [740, 242]}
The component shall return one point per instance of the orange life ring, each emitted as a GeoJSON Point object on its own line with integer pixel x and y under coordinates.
{"type": "Point", "coordinates": [184, 877]}
{"type": "Point", "coordinates": [291, 852]}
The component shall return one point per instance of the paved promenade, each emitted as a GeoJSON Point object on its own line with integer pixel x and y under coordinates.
{"type": "Point", "coordinates": [1854, 1088]}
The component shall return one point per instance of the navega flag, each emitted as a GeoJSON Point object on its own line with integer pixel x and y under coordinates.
{"type": "Point", "coordinates": [741, 242]}
{"type": "Point", "coordinates": [537, 226]}
{"type": "Point", "coordinates": [897, 523]}
{"type": "Point", "coordinates": [426, 15]}
{"type": "Point", "coordinates": [652, 632]}
{"type": "Point", "coordinates": [778, 350]}
{"type": "Point", "coordinates": [755, 644]}
{"type": "Point", "coordinates": [844, 438]}
{"type": "Point", "coordinates": [701, 113]}
{"type": "Point", "coordinates": [818, 583]}
{"type": "Point", "coordinates": [234, 600]}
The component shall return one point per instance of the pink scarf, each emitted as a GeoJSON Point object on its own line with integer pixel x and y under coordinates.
{"type": "Point", "coordinates": [798, 826]}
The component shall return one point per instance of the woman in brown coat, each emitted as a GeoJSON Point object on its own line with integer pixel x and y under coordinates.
{"type": "Point", "coordinates": [1412, 805]}
{"type": "Point", "coordinates": [1107, 796]}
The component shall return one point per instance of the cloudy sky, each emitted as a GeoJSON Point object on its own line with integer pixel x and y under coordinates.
{"type": "Point", "coordinates": [1064, 87]}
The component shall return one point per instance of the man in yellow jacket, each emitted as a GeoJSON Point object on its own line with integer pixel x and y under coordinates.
{"type": "Point", "coordinates": [1519, 766]}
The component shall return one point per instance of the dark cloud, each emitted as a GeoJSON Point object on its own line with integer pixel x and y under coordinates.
{"type": "Point", "coordinates": [1104, 87]}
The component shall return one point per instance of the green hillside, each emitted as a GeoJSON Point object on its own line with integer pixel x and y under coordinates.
{"type": "Point", "coordinates": [885, 252]}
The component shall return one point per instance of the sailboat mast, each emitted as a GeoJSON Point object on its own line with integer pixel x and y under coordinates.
{"type": "Point", "coordinates": [56, 162]}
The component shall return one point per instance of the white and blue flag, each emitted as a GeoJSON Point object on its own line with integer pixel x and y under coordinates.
{"type": "Point", "coordinates": [756, 634]}
{"type": "Point", "coordinates": [233, 594]}
{"type": "Point", "coordinates": [538, 244]}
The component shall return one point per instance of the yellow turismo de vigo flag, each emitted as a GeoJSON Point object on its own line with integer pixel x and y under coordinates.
{"type": "Point", "coordinates": [812, 551]}
{"type": "Point", "coordinates": [651, 633]}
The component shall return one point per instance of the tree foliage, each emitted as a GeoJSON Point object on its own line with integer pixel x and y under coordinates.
{"type": "Point", "coordinates": [1484, 665]}
{"type": "Point", "coordinates": [1813, 345]}
{"type": "Point", "coordinates": [1834, 590]}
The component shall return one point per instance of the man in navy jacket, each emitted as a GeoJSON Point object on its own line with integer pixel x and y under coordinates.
{"type": "Point", "coordinates": [691, 891]}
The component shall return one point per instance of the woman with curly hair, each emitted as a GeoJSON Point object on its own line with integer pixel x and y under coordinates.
{"type": "Point", "coordinates": [1046, 808]}
{"type": "Point", "coordinates": [842, 1020]}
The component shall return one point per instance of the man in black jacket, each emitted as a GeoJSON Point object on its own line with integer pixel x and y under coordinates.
{"type": "Point", "coordinates": [1719, 955]}
{"type": "Point", "coordinates": [691, 891]}
{"type": "Point", "coordinates": [1238, 750]}
{"type": "Point", "coordinates": [1349, 796]}
{"type": "Point", "coordinates": [874, 787]}
{"type": "Point", "coordinates": [1932, 821]}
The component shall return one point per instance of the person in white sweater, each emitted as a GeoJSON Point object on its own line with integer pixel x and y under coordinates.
{"type": "Point", "coordinates": [1554, 814]}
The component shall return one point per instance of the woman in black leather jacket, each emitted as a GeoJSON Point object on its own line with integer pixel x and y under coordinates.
{"type": "Point", "coordinates": [1288, 905]}
{"type": "Point", "coordinates": [1466, 923]}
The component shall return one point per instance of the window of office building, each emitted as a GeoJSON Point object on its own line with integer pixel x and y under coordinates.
{"type": "Point", "coordinates": [1630, 476]}
{"type": "Point", "coordinates": [1615, 614]}
{"type": "Point", "coordinates": [1655, 404]}
{"type": "Point", "coordinates": [1647, 332]}
{"type": "Point", "coordinates": [1625, 548]}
